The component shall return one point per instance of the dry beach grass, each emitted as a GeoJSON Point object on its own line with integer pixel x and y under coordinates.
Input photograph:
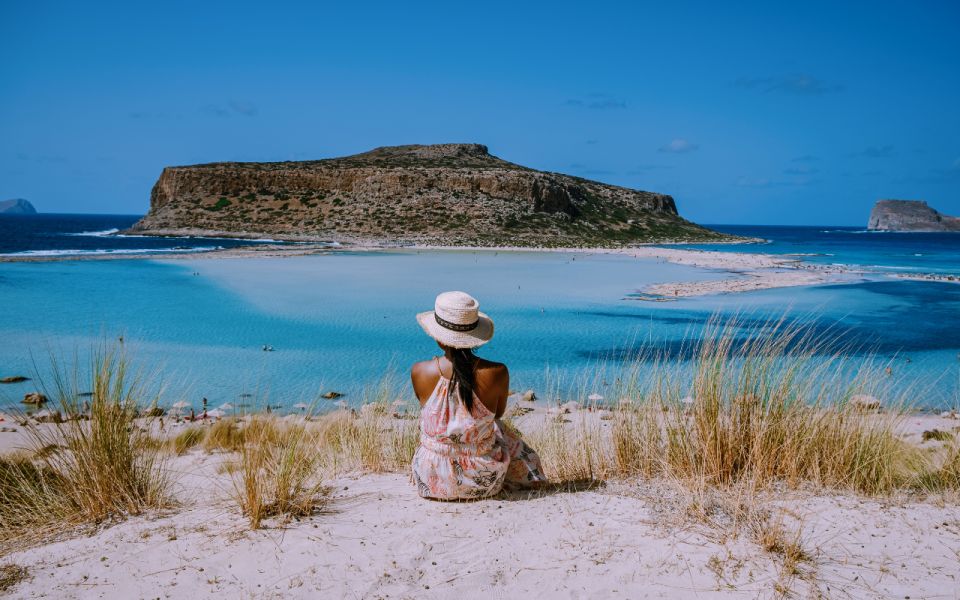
{"type": "Point", "coordinates": [713, 448]}
{"type": "Point", "coordinates": [89, 469]}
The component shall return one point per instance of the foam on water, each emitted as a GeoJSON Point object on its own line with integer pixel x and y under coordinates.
{"type": "Point", "coordinates": [103, 233]}
{"type": "Point", "coordinates": [118, 251]}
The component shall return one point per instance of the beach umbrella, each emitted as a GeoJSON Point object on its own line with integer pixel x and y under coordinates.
{"type": "Point", "coordinates": [300, 406]}
{"type": "Point", "coordinates": [225, 406]}
{"type": "Point", "coordinates": [594, 397]}
{"type": "Point", "coordinates": [215, 413]}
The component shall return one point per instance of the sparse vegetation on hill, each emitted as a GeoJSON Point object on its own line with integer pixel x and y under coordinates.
{"type": "Point", "coordinates": [446, 194]}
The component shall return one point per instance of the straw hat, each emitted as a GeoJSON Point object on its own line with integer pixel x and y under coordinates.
{"type": "Point", "coordinates": [455, 321]}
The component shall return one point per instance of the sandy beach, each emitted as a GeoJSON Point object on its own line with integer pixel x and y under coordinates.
{"type": "Point", "coordinates": [379, 540]}
{"type": "Point", "coordinates": [629, 538]}
{"type": "Point", "coordinates": [745, 271]}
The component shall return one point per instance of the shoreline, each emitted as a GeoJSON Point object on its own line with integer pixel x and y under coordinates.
{"type": "Point", "coordinates": [746, 271]}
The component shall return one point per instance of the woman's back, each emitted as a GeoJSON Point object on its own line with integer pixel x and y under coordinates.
{"type": "Point", "coordinates": [491, 381]}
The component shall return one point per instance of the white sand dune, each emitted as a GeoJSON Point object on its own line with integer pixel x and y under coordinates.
{"type": "Point", "coordinates": [379, 540]}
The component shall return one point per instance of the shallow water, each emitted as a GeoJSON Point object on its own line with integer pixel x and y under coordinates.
{"type": "Point", "coordinates": [884, 251]}
{"type": "Point", "coordinates": [339, 321]}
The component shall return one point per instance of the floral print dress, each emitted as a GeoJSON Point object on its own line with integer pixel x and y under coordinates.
{"type": "Point", "coordinates": [468, 454]}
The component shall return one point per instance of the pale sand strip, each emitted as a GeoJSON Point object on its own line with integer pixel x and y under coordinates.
{"type": "Point", "coordinates": [747, 271]}
{"type": "Point", "coordinates": [746, 282]}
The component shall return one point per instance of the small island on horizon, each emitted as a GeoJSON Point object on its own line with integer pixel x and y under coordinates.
{"type": "Point", "coordinates": [909, 216]}
{"type": "Point", "coordinates": [17, 206]}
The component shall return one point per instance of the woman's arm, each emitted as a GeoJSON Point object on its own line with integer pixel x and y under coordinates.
{"type": "Point", "coordinates": [503, 389]}
{"type": "Point", "coordinates": [418, 376]}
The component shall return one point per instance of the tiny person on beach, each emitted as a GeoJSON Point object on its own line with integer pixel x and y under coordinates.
{"type": "Point", "coordinates": [465, 451]}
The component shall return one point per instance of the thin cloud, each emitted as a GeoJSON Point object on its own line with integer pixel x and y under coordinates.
{"type": "Point", "coordinates": [244, 109]}
{"type": "Point", "coordinates": [800, 84]}
{"type": "Point", "coordinates": [679, 146]}
{"type": "Point", "coordinates": [146, 115]}
{"type": "Point", "coordinates": [642, 169]}
{"type": "Point", "coordinates": [764, 183]}
{"type": "Point", "coordinates": [875, 152]}
{"type": "Point", "coordinates": [948, 174]}
{"type": "Point", "coordinates": [42, 158]}
{"type": "Point", "coordinates": [597, 102]}
{"type": "Point", "coordinates": [800, 171]}
{"type": "Point", "coordinates": [754, 182]}
{"type": "Point", "coordinates": [213, 110]}
{"type": "Point", "coordinates": [580, 168]}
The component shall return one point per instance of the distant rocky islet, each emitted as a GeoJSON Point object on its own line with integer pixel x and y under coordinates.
{"type": "Point", "coordinates": [909, 215]}
{"type": "Point", "coordinates": [17, 206]}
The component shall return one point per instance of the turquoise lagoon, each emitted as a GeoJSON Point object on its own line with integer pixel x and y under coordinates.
{"type": "Point", "coordinates": [341, 320]}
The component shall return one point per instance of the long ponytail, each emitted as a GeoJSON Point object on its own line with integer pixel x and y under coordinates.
{"type": "Point", "coordinates": [463, 361]}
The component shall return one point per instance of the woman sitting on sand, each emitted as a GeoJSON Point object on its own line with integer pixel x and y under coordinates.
{"type": "Point", "coordinates": [465, 451]}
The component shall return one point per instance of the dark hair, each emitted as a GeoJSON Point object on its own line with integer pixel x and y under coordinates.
{"type": "Point", "coordinates": [462, 379]}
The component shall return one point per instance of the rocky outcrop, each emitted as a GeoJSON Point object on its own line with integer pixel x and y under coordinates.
{"type": "Point", "coordinates": [449, 194]}
{"type": "Point", "coordinates": [909, 215]}
{"type": "Point", "coordinates": [16, 206]}
{"type": "Point", "coordinates": [34, 398]}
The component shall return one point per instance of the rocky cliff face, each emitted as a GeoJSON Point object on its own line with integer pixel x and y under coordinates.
{"type": "Point", "coordinates": [17, 206]}
{"type": "Point", "coordinates": [909, 215]}
{"type": "Point", "coordinates": [449, 194]}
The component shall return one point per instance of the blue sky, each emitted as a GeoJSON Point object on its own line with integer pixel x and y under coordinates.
{"type": "Point", "coordinates": [749, 112]}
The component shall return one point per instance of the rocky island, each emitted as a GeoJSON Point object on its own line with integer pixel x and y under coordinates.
{"type": "Point", "coordinates": [909, 215]}
{"type": "Point", "coordinates": [16, 206]}
{"type": "Point", "coordinates": [445, 194]}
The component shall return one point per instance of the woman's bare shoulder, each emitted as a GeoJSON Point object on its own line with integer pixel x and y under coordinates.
{"type": "Point", "coordinates": [491, 368]}
{"type": "Point", "coordinates": [423, 364]}
{"type": "Point", "coordinates": [424, 367]}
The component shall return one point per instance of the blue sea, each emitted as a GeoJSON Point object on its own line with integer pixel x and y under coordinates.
{"type": "Point", "coordinates": [92, 235]}
{"type": "Point", "coordinates": [340, 320]}
{"type": "Point", "coordinates": [884, 251]}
